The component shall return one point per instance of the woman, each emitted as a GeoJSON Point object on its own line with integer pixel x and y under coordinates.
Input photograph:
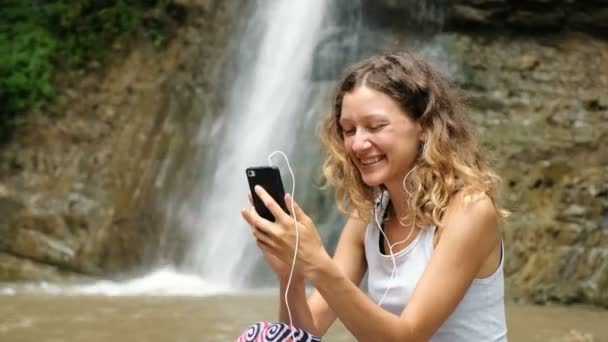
{"type": "Point", "coordinates": [423, 221]}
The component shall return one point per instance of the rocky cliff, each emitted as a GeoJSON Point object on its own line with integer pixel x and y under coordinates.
{"type": "Point", "coordinates": [538, 92]}
{"type": "Point", "coordinates": [81, 183]}
{"type": "Point", "coordinates": [543, 116]}
{"type": "Point", "coordinates": [535, 75]}
{"type": "Point", "coordinates": [533, 16]}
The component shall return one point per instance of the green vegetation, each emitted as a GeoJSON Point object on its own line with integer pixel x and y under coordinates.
{"type": "Point", "coordinates": [38, 37]}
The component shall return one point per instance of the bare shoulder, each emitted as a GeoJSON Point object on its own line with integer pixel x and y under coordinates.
{"type": "Point", "coordinates": [355, 227]}
{"type": "Point", "coordinates": [477, 204]}
{"type": "Point", "coordinates": [471, 213]}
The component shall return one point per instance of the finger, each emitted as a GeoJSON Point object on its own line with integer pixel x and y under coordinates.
{"type": "Point", "coordinates": [299, 213]}
{"type": "Point", "coordinates": [265, 243]}
{"type": "Point", "coordinates": [271, 204]}
{"type": "Point", "coordinates": [259, 234]}
{"type": "Point", "coordinates": [247, 216]}
{"type": "Point", "coordinates": [250, 198]}
{"type": "Point", "coordinates": [254, 219]}
{"type": "Point", "coordinates": [269, 252]}
{"type": "Point", "coordinates": [263, 239]}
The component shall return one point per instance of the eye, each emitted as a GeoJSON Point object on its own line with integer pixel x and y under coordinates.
{"type": "Point", "coordinates": [377, 127]}
{"type": "Point", "coordinates": [347, 131]}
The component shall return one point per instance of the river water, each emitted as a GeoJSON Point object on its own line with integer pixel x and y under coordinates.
{"type": "Point", "coordinates": [31, 317]}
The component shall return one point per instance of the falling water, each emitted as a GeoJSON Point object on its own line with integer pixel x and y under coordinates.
{"type": "Point", "coordinates": [270, 92]}
{"type": "Point", "coordinates": [273, 104]}
{"type": "Point", "coordinates": [287, 60]}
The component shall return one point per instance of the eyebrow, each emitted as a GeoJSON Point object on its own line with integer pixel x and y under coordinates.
{"type": "Point", "coordinates": [369, 117]}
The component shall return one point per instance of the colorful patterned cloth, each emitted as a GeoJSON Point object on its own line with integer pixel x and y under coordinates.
{"type": "Point", "coordinates": [275, 332]}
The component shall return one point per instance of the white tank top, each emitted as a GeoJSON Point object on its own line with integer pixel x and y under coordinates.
{"type": "Point", "coordinates": [480, 316]}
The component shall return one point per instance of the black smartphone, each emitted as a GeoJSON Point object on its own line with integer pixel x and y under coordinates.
{"type": "Point", "coordinates": [269, 178]}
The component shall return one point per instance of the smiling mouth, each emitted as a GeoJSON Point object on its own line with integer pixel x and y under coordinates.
{"type": "Point", "coordinates": [370, 161]}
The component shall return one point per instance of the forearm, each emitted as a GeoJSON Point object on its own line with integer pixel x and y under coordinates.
{"type": "Point", "coordinates": [363, 318]}
{"type": "Point", "coordinates": [298, 304]}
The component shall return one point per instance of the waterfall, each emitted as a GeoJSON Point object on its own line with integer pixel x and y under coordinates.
{"type": "Point", "coordinates": [286, 60]}
{"type": "Point", "coordinates": [264, 105]}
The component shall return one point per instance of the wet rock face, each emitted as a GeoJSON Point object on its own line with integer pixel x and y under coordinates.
{"type": "Point", "coordinates": [537, 94]}
{"type": "Point", "coordinates": [420, 16]}
{"type": "Point", "coordinates": [535, 16]}
{"type": "Point", "coordinates": [80, 182]}
{"type": "Point", "coordinates": [590, 16]}
{"type": "Point", "coordinates": [541, 108]}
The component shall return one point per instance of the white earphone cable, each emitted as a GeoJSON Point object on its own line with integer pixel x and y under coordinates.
{"type": "Point", "coordinates": [394, 272]}
{"type": "Point", "coordinates": [390, 246]}
{"type": "Point", "coordinates": [295, 253]}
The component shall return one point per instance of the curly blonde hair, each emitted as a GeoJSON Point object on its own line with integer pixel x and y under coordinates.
{"type": "Point", "coordinates": [449, 161]}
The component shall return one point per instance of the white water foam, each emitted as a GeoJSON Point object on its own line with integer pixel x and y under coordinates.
{"type": "Point", "coordinates": [163, 282]}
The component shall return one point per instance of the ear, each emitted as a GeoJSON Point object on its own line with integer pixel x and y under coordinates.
{"type": "Point", "coordinates": [421, 133]}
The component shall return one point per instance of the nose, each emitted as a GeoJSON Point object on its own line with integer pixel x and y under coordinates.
{"type": "Point", "coordinates": [360, 142]}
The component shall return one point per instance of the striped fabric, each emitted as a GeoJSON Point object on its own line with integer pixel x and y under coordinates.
{"type": "Point", "coordinates": [275, 332]}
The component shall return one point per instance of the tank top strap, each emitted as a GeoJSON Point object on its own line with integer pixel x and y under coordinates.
{"type": "Point", "coordinates": [428, 233]}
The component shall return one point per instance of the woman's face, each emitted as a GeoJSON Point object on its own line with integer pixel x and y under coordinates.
{"type": "Point", "coordinates": [379, 137]}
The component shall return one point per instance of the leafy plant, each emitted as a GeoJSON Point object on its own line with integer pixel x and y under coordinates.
{"type": "Point", "coordinates": [26, 69]}
{"type": "Point", "coordinates": [37, 37]}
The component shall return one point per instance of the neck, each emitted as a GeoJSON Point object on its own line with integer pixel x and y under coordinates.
{"type": "Point", "coordinates": [399, 203]}
{"type": "Point", "coordinates": [399, 197]}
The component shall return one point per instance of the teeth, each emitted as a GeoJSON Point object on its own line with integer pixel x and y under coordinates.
{"type": "Point", "coordinates": [371, 160]}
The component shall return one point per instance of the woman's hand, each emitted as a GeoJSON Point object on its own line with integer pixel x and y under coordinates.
{"type": "Point", "coordinates": [277, 240]}
{"type": "Point", "coordinates": [280, 268]}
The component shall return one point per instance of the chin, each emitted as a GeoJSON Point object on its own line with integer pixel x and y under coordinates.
{"type": "Point", "coordinates": [375, 175]}
{"type": "Point", "coordinates": [372, 180]}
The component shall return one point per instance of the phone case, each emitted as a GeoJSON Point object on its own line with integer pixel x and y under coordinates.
{"type": "Point", "coordinates": [269, 178]}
